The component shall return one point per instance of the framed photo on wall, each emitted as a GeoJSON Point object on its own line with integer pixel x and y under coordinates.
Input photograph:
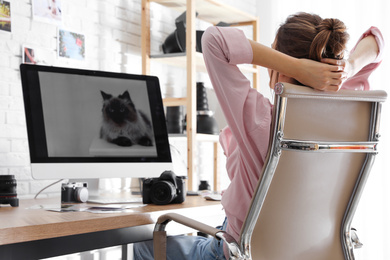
{"type": "Point", "coordinates": [5, 16]}
{"type": "Point", "coordinates": [71, 45]}
{"type": "Point", "coordinates": [49, 11]}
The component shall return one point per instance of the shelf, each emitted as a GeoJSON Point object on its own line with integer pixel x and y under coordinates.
{"type": "Point", "coordinates": [207, 138]}
{"type": "Point", "coordinates": [172, 102]}
{"type": "Point", "coordinates": [199, 137]}
{"type": "Point", "coordinates": [211, 11]}
{"type": "Point", "coordinates": [180, 60]}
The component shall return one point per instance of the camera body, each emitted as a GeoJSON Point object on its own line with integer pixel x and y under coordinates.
{"type": "Point", "coordinates": [74, 192]}
{"type": "Point", "coordinates": [167, 189]}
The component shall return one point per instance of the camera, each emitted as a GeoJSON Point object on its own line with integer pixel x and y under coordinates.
{"type": "Point", "coordinates": [8, 190]}
{"type": "Point", "coordinates": [74, 192]}
{"type": "Point", "coordinates": [167, 189]}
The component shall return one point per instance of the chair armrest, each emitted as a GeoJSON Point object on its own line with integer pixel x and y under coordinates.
{"type": "Point", "coordinates": [159, 235]}
{"type": "Point", "coordinates": [163, 220]}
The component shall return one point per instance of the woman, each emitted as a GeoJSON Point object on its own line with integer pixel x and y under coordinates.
{"type": "Point", "coordinates": [245, 141]}
{"type": "Point", "coordinates": [301, 41]}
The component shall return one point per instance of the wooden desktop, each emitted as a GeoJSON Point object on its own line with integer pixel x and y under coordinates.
{"type": "Point", "coordinates": [32, 232]}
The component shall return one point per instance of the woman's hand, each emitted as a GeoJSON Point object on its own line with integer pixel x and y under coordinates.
{"type": "Point", "coordinates": [348, 65]}
{"type": "Point", "coordinates": [327, 76]}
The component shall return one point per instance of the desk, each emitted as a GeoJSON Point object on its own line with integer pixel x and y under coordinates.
{"type": "Point", "coordinates": [28, 233]}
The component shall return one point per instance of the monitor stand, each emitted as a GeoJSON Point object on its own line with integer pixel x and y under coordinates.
{"type": "Point", "coordinates": [96, 196]}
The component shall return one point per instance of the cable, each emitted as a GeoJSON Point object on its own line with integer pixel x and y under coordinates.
{"type": "Point", "coordinates": [47, 187]}
{"type": "Point", "coordinates": [184, 163]}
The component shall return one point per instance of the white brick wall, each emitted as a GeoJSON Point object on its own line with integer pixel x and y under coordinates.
{"type": "Point", "coordinates": [113, 43]}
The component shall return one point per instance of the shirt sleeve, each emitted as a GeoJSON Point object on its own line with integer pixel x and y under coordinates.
{"type": "Point", "coordinates": [360, 80]}
{"type": "Point", "coordinates": [244, 108]}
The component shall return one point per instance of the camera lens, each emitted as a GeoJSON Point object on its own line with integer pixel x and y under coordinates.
{"type": "Point", "coordinates": [162, 192]}
{"type": "Point", "coordinates": [81, 194]}
{"type": "Point", "coordinates": [7, 186]}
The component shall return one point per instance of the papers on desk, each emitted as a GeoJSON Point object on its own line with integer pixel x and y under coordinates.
{"type": "Point", "coordinates": [210, 195]}
{"type": "Point", "coordinates": [108, 208]}
{"type": "Point", "coordinates": [109, 201]}
{"type": "Point", "coordinates": [113, 208]}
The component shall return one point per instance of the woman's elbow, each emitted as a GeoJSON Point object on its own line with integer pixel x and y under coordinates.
{"type": "Point", "coordinates": [209, 38]}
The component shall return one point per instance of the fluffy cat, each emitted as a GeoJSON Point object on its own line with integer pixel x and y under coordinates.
{"type": "Point", "coordinates": [123, 124]}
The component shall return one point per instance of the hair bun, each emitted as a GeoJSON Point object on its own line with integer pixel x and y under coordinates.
{"type": "Point", "coordinates": [330, 40]}
{"type": "Point", "coordinates": [333, 25]}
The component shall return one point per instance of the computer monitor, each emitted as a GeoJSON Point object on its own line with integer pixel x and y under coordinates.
{"type": "Point", "coordinates": [84, 124]}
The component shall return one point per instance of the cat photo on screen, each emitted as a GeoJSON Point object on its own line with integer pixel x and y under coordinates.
{"type": "Point", "coordinates": [123, 124]}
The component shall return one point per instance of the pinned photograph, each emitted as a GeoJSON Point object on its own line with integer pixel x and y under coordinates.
{"type": "Point", "coordinates": [71, 45]}
{"type": "Point", "coordinates": [29, 55]}
{"type": "Point", "coordinates": [48, 11]}
{"type": "Point", "coordinates": [32, 55]}
{"type": "Point", "coordinates": [5, 16]}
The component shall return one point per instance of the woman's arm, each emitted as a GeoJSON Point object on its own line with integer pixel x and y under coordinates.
{"type": "Point", "coordinates": [365, 57]}
{"type": "Point", "coordinates": [312, 73]}
{"type": "Point", "coordinates": [365, 53]}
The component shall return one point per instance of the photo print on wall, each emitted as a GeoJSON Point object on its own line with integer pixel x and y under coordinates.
{"type": "Point", "coordinates": [5, 16]}
{"type": "Point", "coordinates": [48, 11]}
{"type": "Point", "coordinates": [35, 55]}
{"type": "Point", "coordinates": [71, 45]}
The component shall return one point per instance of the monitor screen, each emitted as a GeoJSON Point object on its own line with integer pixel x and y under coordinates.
{"type": "Point", "coordinates": [94, 124]}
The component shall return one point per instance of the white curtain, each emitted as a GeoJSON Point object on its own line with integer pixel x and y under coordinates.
{"type": "Point", "coordinates": [372, 219]}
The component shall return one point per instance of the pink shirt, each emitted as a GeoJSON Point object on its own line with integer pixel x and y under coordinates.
{"type": "Point", "coordinates": [248, 114]}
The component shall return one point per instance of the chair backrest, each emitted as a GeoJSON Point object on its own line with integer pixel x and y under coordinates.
{"type": "Point", "coordinates": [321, 150]}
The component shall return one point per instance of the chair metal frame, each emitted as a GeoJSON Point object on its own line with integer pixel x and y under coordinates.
{"type": "Point", "coordinates": [277, 144]}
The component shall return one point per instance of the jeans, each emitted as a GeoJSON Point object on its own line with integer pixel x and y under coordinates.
{"type": "Point", "coordinates": [184, 248]}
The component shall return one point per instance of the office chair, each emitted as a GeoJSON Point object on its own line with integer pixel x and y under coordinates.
{"type": "Point", "coordinates": [321, 150]}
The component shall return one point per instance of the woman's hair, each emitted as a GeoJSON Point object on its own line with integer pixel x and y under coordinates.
{"type": "Point", "coordinates": [309, 36]}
